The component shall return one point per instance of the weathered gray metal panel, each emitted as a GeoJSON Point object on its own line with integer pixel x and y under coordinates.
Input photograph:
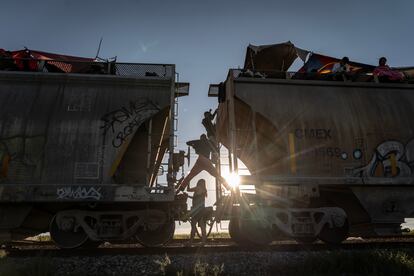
{"type": "Point", "coordinates": [342, 144]}
{"type": "Point", "coordinates": [329, 129]}
{"type": "Point", "coordinates": [386, 204]}
{"type": "Point", "coordinates": [72, 129]}
{"type": "Point", "coordinates": [107, 193]}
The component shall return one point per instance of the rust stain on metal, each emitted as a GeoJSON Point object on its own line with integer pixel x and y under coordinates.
{"type": "Point", "coordinates": [5, 166]}
{"type": "Point", "coordinates": [393, 161]}
{"type": "Point", "coordinates": [292, 153]}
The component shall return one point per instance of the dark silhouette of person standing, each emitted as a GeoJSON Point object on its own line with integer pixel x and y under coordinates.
{"type": "Point", "coordinates": [197, 212]}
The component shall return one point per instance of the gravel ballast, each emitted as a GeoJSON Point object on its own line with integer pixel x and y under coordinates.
{"type": "Point", "coordinates": [336, 262]}
{"type": "Point", "coordinates": [235, 263]}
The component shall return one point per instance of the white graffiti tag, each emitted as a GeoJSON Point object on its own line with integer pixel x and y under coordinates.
{"type": "Point", "coordinates": [391, 158]}
{"type": "Point", "coordinates": [79, 193]}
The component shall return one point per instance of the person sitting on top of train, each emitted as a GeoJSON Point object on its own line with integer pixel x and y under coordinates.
{"type": "Point", "coordinates": [198, 210]}
{"type": "Point", "coordinates": [385, 73]}
{"type": "Point", "coordinates": [341, 69]}
{"type": "Point", "coordinates": [204, 148]}
{"type": "Point", "coordinates": [6, 61]}
{"type": "Point", "coordinates": [341, 66]}
{"type": "Point", "coordinates": [208, 124]}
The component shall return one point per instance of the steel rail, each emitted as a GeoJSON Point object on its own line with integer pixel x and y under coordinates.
{"type": "Point", "coordinates": [209, 248]}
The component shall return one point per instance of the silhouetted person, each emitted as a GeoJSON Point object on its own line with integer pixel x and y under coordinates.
{"type": "Point", "coordinates": [197, 212]}
{"type": "Point", "coordinates": [203, 147]}
{"type": "Point", "coordinates": [208, 124]}
{"type": "Point", "coordinates": [341, 70]}
{"type": "Point", "coordinates": [385, 73]}
{"type": "Point", "coordinates": [342, 66]}
{"type": "Point", "coordinates": [6, 61]}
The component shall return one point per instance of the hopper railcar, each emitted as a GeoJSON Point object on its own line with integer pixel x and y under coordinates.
{"type": "Point", "coordinates": [82, 144]}
{"type": "Point", "coordinates": [328, 159]}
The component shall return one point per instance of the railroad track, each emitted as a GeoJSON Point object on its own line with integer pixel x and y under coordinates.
{"type": "Point", "coordinates": [211, 247]}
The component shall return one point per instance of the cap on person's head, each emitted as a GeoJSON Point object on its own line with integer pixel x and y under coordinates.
{"type": "Point", "coordinates": [203, 136]}
{"type": "Point", "coordinates": [345, 59]}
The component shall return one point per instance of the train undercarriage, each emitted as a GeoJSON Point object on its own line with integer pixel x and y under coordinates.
{"type": "Point", "coordinates": [330, 213]}
{"type": "Point", "coordinates": [90, 224]}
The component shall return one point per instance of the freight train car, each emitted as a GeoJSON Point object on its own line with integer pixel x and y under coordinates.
{"type": "Point", "coordinates": [328, 159]}
{"type": "Point", "coordinates": [82, 144]}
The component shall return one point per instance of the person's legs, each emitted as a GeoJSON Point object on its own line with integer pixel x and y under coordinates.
{"type": "Point", "coordinates": [202, 224]}
{"type": "Point", "coordinates": [193, 229]}
{"type": "Point", "coordinates": [202, 164]}
{"type": "Point", "coordinates": [207, 166]}
{"type": "Point", "coordinates": [196, 169]}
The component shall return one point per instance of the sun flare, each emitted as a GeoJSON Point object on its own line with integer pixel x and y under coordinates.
{"type": "Point", "coordinates": [233, 179]}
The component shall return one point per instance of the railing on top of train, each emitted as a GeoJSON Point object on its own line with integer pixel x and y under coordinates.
{"type": "Point", "coordinates": [358, 76]}
{"type": "Point", "coordinates": [277, 74]}
{"type": "Point", "coordinates": [139, 70]}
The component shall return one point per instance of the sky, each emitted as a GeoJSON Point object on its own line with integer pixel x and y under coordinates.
{"type": "Point", "coordinates": [206, 38]}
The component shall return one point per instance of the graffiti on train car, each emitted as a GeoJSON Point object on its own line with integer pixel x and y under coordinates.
{"type": "Point", "coordinates": [124, 121]}
{"type": "Point", "coordinates": [390, 159]}
{"type": "Point", "coordinates": [21, 157]}
{"type": "Point", "coordinates": [79, 193]}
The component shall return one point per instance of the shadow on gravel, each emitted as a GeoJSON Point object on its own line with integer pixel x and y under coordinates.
{"type": "Point", "coordinates": [340, 262]}
{"type": "Point", "coordinates": [36, 266]}
{"type": "Point", "coordinates": [344, 263]}
{"type": "Point", "coordinates": [199, 268]}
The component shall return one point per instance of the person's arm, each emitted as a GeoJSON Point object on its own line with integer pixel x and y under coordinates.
{"type": "Point", "coordinates": [189, 189]}
{"type": "Point", "coordinates": [191, 143]}
{"type": "Point", "coordinates": [336, 67]}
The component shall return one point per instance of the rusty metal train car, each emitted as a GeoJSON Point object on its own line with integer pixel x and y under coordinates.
{"type": "Point", "coordinates": [82, 144]}
{"type": "Point", "coordinates": [328, 159]}
{"type": "Point", "coordinates": [87, 149]}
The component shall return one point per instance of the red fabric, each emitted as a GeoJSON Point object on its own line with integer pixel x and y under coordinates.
{"type": "Point", "coordinates": [48, 56]}
{"type": "Point", "coordinates": [24, 60]}
{"type": "Point", "coordinates": [27, 60]}
{"type": "Point", "coordinates": [386, 71]}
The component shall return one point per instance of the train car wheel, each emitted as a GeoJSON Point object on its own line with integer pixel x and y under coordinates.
{"type": "Point", "coordinates": [334, 235]}
{"type": "Point", "coordinates": [236, 234]}
{"type": "Point", "coordinates": [234, 231]}
{"type": "Point", "coordinates": [253, 233]}
{"type": "Point", "coordinates": [67, 235]}
{"type": "Point", "coordinates": [91, 244]}
{"type": "Point", "coordinates": [157, 234]}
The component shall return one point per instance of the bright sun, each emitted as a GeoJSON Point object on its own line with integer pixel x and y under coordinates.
{"type": "Point", "coordinates": [233, 179]}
